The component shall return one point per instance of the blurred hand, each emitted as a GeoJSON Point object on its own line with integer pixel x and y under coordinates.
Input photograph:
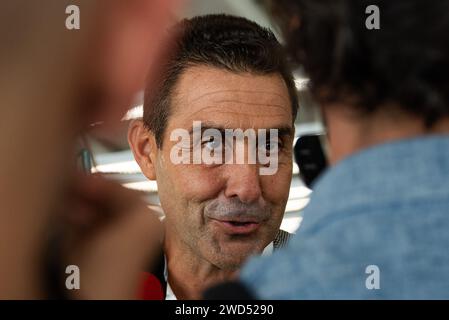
{"type": "Point", "coordinates": [112, 236]}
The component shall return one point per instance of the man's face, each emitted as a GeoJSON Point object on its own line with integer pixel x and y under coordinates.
{"type": "Point", "coordinates": [225, 212]}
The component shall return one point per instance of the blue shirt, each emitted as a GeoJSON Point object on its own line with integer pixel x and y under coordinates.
{"type": "Point", "coordinates": [377, 227]}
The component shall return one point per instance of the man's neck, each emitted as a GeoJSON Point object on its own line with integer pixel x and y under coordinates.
{"type": "Point", "coordinates": [188, 274]}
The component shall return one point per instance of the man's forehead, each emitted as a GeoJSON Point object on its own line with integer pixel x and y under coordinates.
{"type": "Point", "coordinates": [229, 92]}
{"type": "Point", "coordinates": [207, 90]}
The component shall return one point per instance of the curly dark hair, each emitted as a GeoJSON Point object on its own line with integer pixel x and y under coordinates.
{"type": "Point", "coordinates": [404, 63]}
{"type": "Point", "coordinates": [221, 41]}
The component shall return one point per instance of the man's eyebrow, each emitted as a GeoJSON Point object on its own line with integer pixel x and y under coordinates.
{"type": "Point", "coordinates": [210, 125]}
{"type": "Point", "coordinates": [285, 131]}
{"type": "Point", "coordinates": [282, 131]}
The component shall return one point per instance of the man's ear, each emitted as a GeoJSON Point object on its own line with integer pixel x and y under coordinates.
{"type": "Point", "coordinates": [144, 148]}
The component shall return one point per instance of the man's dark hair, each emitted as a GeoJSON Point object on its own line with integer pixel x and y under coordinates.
{"type": "Point", "coordinates": [404, 63]}
{"type": "Point", "coordinates": [221, 41]}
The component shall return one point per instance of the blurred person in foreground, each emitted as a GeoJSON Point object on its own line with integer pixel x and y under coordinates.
{"type": "Point", "coordinates": [376, 225]}
{"type": "Point", "coordinates": [54, 83]}
{"type": "Point", "coordinates": [228, 73]}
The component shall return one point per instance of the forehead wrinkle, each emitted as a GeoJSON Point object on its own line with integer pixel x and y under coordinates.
{"type": "Point", "coordinates": [252, 103]}
{"type": "Point", "coordinates": [237, 113]}
{"type": "Point", "coordinates": [205, 95]}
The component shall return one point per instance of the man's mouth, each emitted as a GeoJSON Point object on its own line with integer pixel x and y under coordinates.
{"type": "Point", "coordinates": [237, 226]}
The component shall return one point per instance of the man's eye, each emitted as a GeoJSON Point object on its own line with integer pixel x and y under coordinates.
{"type": "Point", "coordinates": [273, 146]}
{"type": "Point", "coordinates": [212, 144]}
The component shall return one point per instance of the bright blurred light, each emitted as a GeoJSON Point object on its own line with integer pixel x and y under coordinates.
{"type": "Point", "coordinates": [134, 113]}
{"type": "Point", "coordinates": [301, 83]}
{"type": "Point", "coordinates": [291, 224]}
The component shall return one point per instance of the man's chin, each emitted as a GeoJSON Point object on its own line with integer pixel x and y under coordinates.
{"type": "Point", "coordinates": [234, 254]}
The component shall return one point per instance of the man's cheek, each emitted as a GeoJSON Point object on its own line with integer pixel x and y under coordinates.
{"type": "Point", "coordinates": [198, 183]}
{"type": "Point", "coordinates": [276, 187]}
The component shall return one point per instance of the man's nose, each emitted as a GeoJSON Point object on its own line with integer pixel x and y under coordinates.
{"type": "Point", "coordinates": [243, 182]}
